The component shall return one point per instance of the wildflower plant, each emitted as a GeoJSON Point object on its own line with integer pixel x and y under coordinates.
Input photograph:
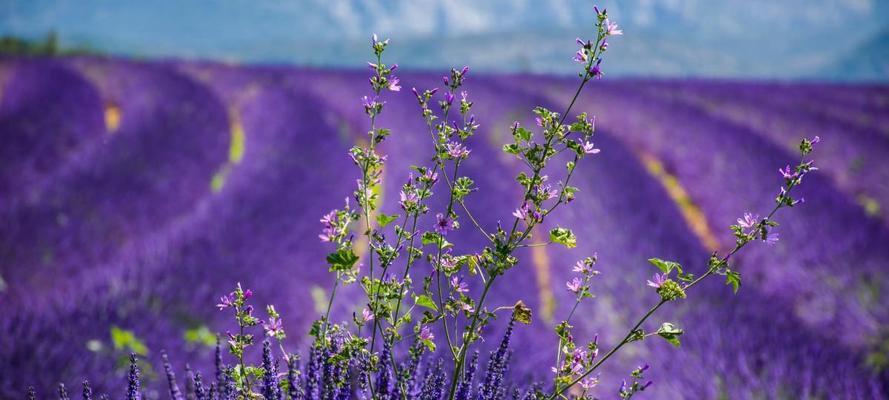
{"type": "Point", "coordinates": [379, 354]}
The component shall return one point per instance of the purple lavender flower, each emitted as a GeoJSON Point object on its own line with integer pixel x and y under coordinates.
{"type": "Point", "coordinates": [295, 389]}
{"type": "Point", "coordinates": [367, 315]}
{"type": "Point", "coordinates": [63, 394]}
{"type": "Point", "coordinates": [433, 385]}
{"type": "Point", "coordinates": [87, 390]}
{"type": "Point", "coordinates": [449, 98]}
{"type": "Point", "coordinates": [199, 392]}
{"type": "Point", "coordinates": [464, 389]}
{"type": "Point", "coordinates": [657, 280]}
{"type": "Point", "coordinates": [270, 376]}
{"type": "Point", "coordinates": [492, 388]}
{"type": "Point", "coordinates": [133, 392]}
{"type": "Point", "coordinates": [175, 394]}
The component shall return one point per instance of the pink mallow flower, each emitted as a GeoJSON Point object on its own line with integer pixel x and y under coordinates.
{"type": "Point", "coordinates": [749, 221]}
{"type": "Point", "coordinates": [443, 224]}
{"type": "Point", "coordinates": [329, 231]}
{"type": "Point", "coordinates": [457, 150]}
{"type": "Point", "coordinates": [366, 315]}
{"type": "Point", "coordinates": [426, 334]}
{"type": "Point", "coordinates": [787, 173]}
{"type": "Point", "coordinates": [393, 84]}
{"type": "Point", "coordinates": [274, 327]}
{"type": "Point", "coordinates": [574, 285]}
{"type": "Point", "coordinates": [407, 199]}
{"type": "Point", "coordinates": [588, 148]}
{"type": "Point", "coordinates": [581, 56]}
{"type": "Point", "coordinates": [658, 280]}
{"type": "Point", "coordinates": [224, 302]}
{"type": "Point", "coordinates": [611, 28]}
{"type": "Point", "coordinates": [458, 285]}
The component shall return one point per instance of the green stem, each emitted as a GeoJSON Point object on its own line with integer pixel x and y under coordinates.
{"type": "Point", "coordinates": [458, 368]}
{"type": "Point", "coordinates": [710, 271]}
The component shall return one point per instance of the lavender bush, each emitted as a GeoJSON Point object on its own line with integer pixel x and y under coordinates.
{"type": "Point", "coordinates": [392, 348]}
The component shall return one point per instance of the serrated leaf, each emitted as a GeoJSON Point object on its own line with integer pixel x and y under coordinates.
{"type": "Point", "coordinates": [430, 237]}
{"type": "Point", "coordinates": [523, 134]}
{"type": "Point", "coordinates": [670, 333]}
{"type": "Point", "coordinates": [512, 148]}
{"type": "Point", "coordinates": [425, 301]}
{"type": "Point", "coordinates": [383, 219]}
{"type": "Point", "coordinates": [665, 266]}
{"type": "Point", "coordinates": [342, 260]}
{"type": "Point", "coordinates": [564, 237]}
{"type": "Point", "coordinates": [733, 278]}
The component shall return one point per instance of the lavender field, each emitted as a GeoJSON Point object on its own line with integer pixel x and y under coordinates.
{"type": "Point", "coordinates": [133, 194]}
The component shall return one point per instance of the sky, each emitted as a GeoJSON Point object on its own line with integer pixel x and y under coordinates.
{"type": "Point", "coordinates": [752, 39]}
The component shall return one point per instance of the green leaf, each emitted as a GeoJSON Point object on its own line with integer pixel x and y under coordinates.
{"type": "Point", "coordinates": [564, 237]}
{"type": "Point", "coordinates": [430, 237]}
{"type": "Point", "coordinates": [670, 333]}
{"type": "Point", "coordinates": [512, 148]}
{"type": "Point", "coordinates": [425, 301]}
{"type": "Point", "coordinates": [665, 266]}
{"type": "Point", "coordinates": [383, 219]}
{"type": "Point", "coordinates": [523, 134]}
{"type": "Point", "coordinates": [733, 278]}
{"type": "Point", "coordinates": [200, 335]}
{"type": "Point", "coordinates": [126, 340]}
{"type": "Point", "coordinates": [342, 260]}
{"type": "Point", "coordinates": [430, 345]}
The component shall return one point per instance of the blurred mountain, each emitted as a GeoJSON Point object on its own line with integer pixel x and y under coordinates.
{"type": "Point", "coordinates": [870, 61]}
{"type": "Point", "coordinates": [790, 39]}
